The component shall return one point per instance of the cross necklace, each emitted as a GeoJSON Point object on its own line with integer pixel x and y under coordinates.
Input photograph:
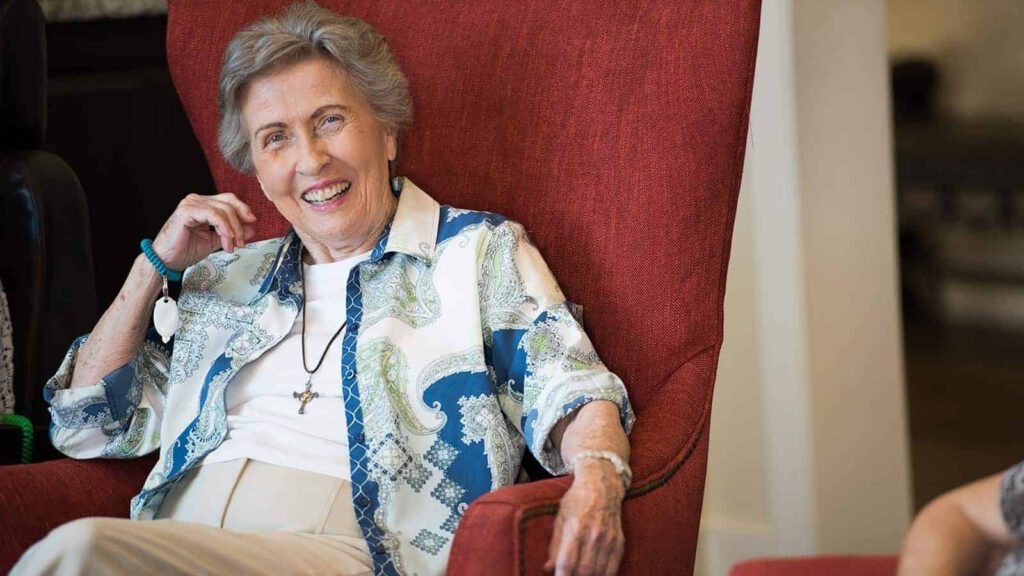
{"type": "Point", "coordinates": [305, 397]}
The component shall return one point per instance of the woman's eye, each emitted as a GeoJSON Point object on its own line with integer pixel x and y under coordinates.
{"type": "Point", "coordinates": [274, 138]}
{"type": "Point", "coordinates": [331, 121]}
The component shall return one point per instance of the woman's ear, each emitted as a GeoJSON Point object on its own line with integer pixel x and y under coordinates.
{"type": "Point", "coordinates": [392, 145]}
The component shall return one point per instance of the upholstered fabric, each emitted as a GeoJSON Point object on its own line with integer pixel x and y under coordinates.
{"type": "Point", "coordinates": [36, 498]}
{"type": "Point", "coordinates": [624, 124]}
{"type": "Point", "coordinates": [818, 566]}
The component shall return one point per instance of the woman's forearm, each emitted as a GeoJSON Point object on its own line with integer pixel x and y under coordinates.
{"type": "Point", "coordinates": [588, 536]}
{"type": "Point", "coordinates": [943, 542]}
{"type": "Point", "coordinates": [958, 533]}
{"type": "Point", "coordinates": [595, 426]}
{"type": "Point", "coordinates": [120, 331]}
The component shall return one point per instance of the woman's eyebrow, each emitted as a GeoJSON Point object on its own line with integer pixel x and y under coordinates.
{"type": "Point", "coordinates": [321, 110]}
{"type": "Point", "coordinates": [316, 114]}
{"type": "Point", "coordinates": [269, 125]}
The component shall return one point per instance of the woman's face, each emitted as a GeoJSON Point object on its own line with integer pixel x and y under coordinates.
{"type": "Point", "coordinates": [320, 155]}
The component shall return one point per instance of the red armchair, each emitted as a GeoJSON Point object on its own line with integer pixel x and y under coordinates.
{"type": "Point", "coordinates": [615, 134]}
{"type": "Point", "coordinates": [816, 566]}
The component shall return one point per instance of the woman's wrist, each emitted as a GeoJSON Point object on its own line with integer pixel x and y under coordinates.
{"type": "Point", "coordinates": [147, 280]}
{"type": "Point", "coordinates": [599, 471]}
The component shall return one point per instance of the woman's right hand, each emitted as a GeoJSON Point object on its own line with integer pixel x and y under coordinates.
{"type": "Point", "coordinates": [200, 225]}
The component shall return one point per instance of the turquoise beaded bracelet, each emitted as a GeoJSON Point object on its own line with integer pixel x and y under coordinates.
{"type": "Point", "coordinates": [147, 249]}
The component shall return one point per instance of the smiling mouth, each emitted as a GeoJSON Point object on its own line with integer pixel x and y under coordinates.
{"type": "Point", "coordinates": [325, 195]}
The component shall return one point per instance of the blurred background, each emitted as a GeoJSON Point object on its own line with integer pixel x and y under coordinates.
{"type": "Point", "coordinates": [879, 251]}
{"type": "Point", "coordinates": [875, 303]}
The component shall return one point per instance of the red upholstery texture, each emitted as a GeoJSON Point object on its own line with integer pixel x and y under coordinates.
{"type": "Point", "coordinates": [615, 133]}
{"type": "Point", "coordinates": [830, 565]}
{"type": "Point", "coordinates": [36, 498]}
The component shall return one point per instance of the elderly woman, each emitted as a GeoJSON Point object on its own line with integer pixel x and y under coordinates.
{"type": "Point", "coordinates": [332, 401]}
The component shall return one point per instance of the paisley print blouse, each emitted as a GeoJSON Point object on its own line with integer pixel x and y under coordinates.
{"type": "Point", "coordinates": [461, 353]}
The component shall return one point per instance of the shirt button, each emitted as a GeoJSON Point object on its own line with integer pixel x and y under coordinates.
{"type": "Point", "coordinates": [363, 501]}
{"type": "Point", "coordinates": [360, 438]}
{"type": "Point", "coordinates": [349, 373]}
{"type": "Point", "coordinates": [379, 550]}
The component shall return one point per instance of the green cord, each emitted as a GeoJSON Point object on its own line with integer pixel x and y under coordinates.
{"type": "Point", "coordinates": [26, 434]}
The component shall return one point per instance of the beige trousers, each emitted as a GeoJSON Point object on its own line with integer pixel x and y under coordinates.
{"type": "Point", "coordinates": [237, 517]}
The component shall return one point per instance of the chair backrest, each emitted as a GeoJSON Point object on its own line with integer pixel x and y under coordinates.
{"type": "Point", "coordinates": [614, 131]}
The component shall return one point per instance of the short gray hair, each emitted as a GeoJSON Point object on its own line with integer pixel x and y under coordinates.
{"type": "Point", "coordinates": [300, 32]}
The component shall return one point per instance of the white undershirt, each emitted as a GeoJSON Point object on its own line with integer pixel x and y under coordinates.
{"type": "Point", "coordinates": [263, 419]}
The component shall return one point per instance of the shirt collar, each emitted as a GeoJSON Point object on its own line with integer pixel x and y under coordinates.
{"type": "Point", "coordinates": [412, 231]}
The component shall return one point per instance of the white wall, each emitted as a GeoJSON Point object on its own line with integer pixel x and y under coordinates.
{"type": "Point", "coordinates": [850, 256]}
{"type": "Point", "coordinates": [808, 434]}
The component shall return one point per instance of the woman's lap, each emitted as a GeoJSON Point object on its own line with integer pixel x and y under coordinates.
{"type": "Point", "coordinates": [243, 517]}
{"type": "Point", "coordinates": [121, 546]}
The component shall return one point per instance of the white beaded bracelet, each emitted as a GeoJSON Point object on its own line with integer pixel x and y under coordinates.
{"type": "Point", "coordinates": [621, 468]}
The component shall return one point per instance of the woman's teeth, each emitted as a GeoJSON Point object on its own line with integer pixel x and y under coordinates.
{"type": "Point", "coordinates": [325, 195]}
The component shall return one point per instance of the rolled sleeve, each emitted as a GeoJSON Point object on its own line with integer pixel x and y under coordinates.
{"type": "Point", "coordinates": [116, 417]}
{"type": "Point", "coordinates": [82, 406]}
{"type": "Point", "coordinates": [562, 374]}
{"type": "Point", "coordinates": [544, 364]}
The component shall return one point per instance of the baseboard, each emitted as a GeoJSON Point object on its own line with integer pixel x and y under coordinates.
{"type": "Point", "coordinates": [724, 542]}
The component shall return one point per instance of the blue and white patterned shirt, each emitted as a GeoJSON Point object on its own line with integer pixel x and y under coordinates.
{"type": "Point", "coordinates": [461, 350]}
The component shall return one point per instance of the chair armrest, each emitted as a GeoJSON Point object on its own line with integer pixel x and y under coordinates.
{"type": "Point", "coordinates": [507, 531]}
{"type": "Point", "coordinates": [493, 527]}
{"type": "Point", "coordinates": [832, 565]}
{"type": "Point", "coordinates": [36, 498]}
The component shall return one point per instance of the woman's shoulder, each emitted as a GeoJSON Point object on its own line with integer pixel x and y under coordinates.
{"type": "Point", "coordinates": [454, 222]}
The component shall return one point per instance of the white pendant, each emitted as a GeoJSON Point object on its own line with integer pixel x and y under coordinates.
{"type": "Point", "coordinates": [165, 317]}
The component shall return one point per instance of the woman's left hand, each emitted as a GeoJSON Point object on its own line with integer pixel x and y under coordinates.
{"type": "Point", "coordinates": [588, 537]}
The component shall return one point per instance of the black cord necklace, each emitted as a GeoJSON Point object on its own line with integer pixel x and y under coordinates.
{"type": "Point", "coordinates": [306, 396]}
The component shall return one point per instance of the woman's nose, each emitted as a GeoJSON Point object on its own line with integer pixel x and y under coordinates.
{"type": "Point", "coordinates": [313, 157]}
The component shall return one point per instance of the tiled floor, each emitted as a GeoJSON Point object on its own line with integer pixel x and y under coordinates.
{"type": "Point", "coordinates": [965, 392]}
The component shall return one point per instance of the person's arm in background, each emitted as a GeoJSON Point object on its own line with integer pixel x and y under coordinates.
{"type": "Point", "coordinates": [961, 532]}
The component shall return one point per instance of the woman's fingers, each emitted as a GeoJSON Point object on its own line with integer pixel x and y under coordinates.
{"type": "Point", "coordinates": [204, 213]}
{"type": "Point", "coordinates": [568, 552]}
{"type": "Point", "coordinates": [223, 224]}
{"type": "Point", "coordinates": [243, 209]}
{"type": "Point", "coordinates": [610, 552]}
{"type": "Point", "coordinates": [230, 212]}
{"type": "Point", "coordinates": [615, 558]}
{"type": "Point", "coordinates": [595, 550]}
{"type": "Point", "coordinates": [587, 538]}
{"type": "Point", "coordinates": [571, 553]}
{"type": "Point", "coordinates": [553, 545]}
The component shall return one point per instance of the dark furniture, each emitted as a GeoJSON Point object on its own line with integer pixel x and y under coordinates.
{"type": "Point", "coordinates": [46, 261]}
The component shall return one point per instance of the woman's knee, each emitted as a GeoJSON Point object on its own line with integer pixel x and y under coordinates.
{"type": "Point", "coordinates": [72, 548]}
{"type": "Point", "coordinates": [83, 540]}
{"type": "Point", "coordinates": [82, 531]}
